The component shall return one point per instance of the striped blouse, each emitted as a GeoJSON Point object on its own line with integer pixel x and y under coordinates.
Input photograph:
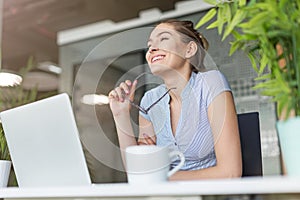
{"type": "Point", "coordinates": [193, 135]}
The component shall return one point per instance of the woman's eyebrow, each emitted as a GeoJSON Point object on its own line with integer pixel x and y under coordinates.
{"type": "Point", "coordinates": [159, 34]}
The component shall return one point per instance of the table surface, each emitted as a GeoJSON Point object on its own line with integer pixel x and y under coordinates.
{"type": "Point", "coordinates": [253, 185]}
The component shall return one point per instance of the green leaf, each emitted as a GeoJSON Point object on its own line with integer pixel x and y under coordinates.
{"type": "Point", "coordinates": [220, 20]}
{"type": "Point", "coordinates": [4, 154]}
{"type": "Point", "coordinates": [224, 16]}
{"type": "Point", "coordinates": [237, 35]}
{"type": "Point", "coordinates": [264, 6]}
{"type": "Point", "coordinates": [237, 18]}
{"type": "Point", "coordinates": [213, 25]}
{"type": "Point", "coordinates": [209, 15]}
{"type": "Point", "coordinates": [281, 105]}
{"type": "Point", "coordinates": [212, 2]}
{"type": "Point", "coordinates": [263, 63]}
{"type": "Point", "coordinates": [242, 3]}
{"type": "Point", "coordinates": [263, 77]}
{"type": "Point", "coordinates": [253, 61]}
{"type": "Point", "coordinates": [256, 20]}
{"type": "Point", "coordinates": [235, 46]}
{"type": "Point", "coordinates": [282, 3]}
{"type": "Point", "coordinates": [278, 33]}
{"type": "Point", "coordinates": [228, 11]}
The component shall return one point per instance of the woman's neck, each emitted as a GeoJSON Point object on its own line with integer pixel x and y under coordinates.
{"type": "Point", "coordinates": [177, 80]}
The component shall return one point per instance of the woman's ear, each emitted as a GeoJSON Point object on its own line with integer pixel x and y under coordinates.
{"type": "Point", "coordinates": [191, 49]}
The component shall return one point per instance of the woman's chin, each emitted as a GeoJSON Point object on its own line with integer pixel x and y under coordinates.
{"type": "Point", "coordinates": [154, 68]}
{"type": "Point", "coordinates": [158, 68]}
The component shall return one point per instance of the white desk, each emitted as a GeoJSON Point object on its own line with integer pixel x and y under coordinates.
{"type": "Point", "coordinates": [192, 190]}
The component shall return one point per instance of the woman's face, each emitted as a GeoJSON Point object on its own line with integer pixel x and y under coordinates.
{"type": "Point", "coordinates": [166, 51]}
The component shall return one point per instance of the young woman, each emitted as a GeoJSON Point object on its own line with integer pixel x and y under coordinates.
{"type": "Point", "coordinates": [193, 112]}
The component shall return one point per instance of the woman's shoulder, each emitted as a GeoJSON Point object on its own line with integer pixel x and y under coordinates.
{"type": "Point", "coordinates": [209, 74]}
{"type": "Point", "coordinates": [211, 77]}
{"type": "Point", "coordinates": [156, 91]}
{"type": "Point", "coordinates": [212, 81]}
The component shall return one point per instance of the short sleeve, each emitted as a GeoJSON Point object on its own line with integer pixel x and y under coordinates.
{"type": "Point", "coordinates": [144, 102]}
{"type": "Point", "coordinates": [214, 84]}
{"type": "Point", "coordinates": [147, 100]}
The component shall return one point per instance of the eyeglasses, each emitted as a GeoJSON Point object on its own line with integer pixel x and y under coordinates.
{"type": "Point", "coordinates": [146, 110]}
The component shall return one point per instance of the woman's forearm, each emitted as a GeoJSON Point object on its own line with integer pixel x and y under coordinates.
{"type": "Point", "coordinates": [208, 173]}
{"type": "Point", "coordinates": [125, 132]}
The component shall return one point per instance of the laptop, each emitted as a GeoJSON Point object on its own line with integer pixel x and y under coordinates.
{"type": "Point", "coordinates": [44, 144]}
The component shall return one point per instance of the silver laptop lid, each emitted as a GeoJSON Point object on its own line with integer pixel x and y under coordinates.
{"type": "Point", "coordinates": [44, 144]}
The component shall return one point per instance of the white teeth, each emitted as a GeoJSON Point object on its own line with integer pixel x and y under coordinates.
{"type": "Point", "coordinates": [157, 58]}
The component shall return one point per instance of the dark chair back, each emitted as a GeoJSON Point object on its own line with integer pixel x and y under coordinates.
{"type": "Point", "coordinates": [250, 143]}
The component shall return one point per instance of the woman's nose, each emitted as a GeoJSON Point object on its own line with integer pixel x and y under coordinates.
{"type": "Point", "coordinates": [152, 49]}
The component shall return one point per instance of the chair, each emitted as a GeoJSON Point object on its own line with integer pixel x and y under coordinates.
{"type": "Point", "coordinates": [250, 143]}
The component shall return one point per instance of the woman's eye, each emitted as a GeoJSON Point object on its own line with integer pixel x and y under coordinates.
{"type": "Point", "coordinates": [164, 38]}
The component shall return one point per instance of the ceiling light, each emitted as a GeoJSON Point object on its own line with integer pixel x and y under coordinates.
{"type": "Point", "coordinates": [49, 67]}
{"type": "Point", "coordinates": [6, 79]}
{"type": "Point", "coordinates": [9, 79]}
{"type": "Point", "coordinates": [95, 99]}
{"type": "Point", "coordinates": [54, 69]}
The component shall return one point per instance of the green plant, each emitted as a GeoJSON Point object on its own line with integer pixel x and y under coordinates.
{"type": "Point", "coordinates": [11, 97]}
{"type": "Point", "coordinates": [268, 31]}
{"type": "Point", "coordinates": [4, 153]}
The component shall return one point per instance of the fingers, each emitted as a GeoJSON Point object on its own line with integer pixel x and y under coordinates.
{"type": "Point", "coordinates": [124, 90]}
{"type": "Point", "coordinates": [120, 94]}
{"type": "Point", "coordinates": [113, 95]}
{"type": "Point", "coordinates": [125, 87]}
{"type": "Point", "coordinates": [132, 91]}
{"type": "Point", "coordinates": [141, 143]}
{"type": "Point", "coordinates": [148, 139]}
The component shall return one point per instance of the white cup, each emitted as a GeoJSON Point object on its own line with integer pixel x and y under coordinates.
{"type": "Point", "coordinates": [150, 164]}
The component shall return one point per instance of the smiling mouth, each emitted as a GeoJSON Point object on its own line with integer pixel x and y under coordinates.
{"type": "Point", "coordinates": [157, 58]}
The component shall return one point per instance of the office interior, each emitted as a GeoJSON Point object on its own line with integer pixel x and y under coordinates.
{"type": "Point", "coordinates": [91, 62]}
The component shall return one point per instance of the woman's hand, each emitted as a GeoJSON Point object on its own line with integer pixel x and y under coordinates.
{"type": "Point", "coordinates": [118, 97]}
{"type": "Point", "coordinates": [146, 140]}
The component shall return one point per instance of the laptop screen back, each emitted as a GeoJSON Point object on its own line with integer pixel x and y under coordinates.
{"type": "Point", "coordinates": [44, 144]}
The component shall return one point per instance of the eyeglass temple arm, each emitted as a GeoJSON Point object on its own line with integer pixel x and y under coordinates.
{"type": "Point", "coordinates": [147, 109]}
{"type": "Point", "coordinates": [138, 107]}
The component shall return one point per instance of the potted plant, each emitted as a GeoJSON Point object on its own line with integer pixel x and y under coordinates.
{"type": "Point", "coordinates": [268, 31]}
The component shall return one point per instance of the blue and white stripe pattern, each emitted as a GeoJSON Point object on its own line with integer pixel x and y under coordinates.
{"type": "Point", "coordinates": [193, 135]}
